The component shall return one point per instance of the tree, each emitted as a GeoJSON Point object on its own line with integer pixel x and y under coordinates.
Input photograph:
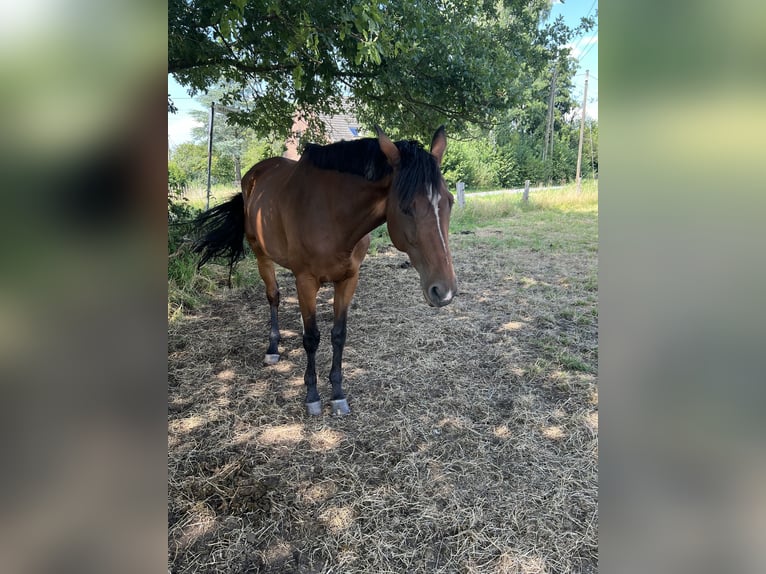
{"type": "Point", "coordinates": [230, 139]}
{"type": "Point", "coordinates": [188, 163]}
{"type": "Point", "coordinates": [177, 180]}
{"type": "Point", "coordinates": [407, 65]}
{"type": "Point", "coordinates": [190, 160]}
{"type": "Point", "coordinates": [590, 149]}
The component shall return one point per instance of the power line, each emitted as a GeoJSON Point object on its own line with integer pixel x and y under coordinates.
{"type": "Point", "coordinates": [591, 8]}
{"type": "Point", "coordinates": [583, 37]}
{"type": "Point", "coordinates": [585, 53]}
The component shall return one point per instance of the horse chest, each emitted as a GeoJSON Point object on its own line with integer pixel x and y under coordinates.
{"type": "Point", "coordinates": [328, 266]}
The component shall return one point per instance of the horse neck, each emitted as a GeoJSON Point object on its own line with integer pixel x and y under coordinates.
{"type": "Point", "coordinates": [364, 208]}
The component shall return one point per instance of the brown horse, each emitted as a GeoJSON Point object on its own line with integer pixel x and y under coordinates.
{"type": "Point", "coordinates": [314, 217]}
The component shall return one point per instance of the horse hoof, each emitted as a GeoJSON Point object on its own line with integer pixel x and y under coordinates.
{"type": "Point", "coordinates": [314, 409]}
{"type": "Point", "coordinates": [339, 407]}
{"type": "Point", "coordinates": [271, 359]}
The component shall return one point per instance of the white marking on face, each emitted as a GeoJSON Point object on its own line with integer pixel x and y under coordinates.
{"type": "Point", "coordinates": [434, 197]}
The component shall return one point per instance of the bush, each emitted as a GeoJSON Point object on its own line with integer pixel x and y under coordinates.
{"type": "Point", "coordinates": [182, 264]}
{"type": "Point", "coordinates": [177, 180]}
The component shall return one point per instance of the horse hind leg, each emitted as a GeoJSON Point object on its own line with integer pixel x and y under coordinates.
{"type": "Point", "coordinates": [268, 274]}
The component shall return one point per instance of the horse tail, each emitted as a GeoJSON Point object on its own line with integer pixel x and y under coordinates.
{"type": "Point", "coordinates": [222, 231]}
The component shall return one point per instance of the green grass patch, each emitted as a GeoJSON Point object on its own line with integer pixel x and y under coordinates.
{"type": "Point", "coordinates": [487, 210]}
{"type": "Point", "coordinates": [573, 362]}
{"type": "Point", "coordinates": [552, 220]}
{"type": "Point", "coordinates": [188, 287]}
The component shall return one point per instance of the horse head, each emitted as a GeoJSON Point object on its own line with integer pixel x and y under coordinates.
{"type": "Point", "coordinates": [418, 213]}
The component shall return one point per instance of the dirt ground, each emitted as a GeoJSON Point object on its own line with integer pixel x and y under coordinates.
{"type": "Point", "coordinates": [472, 442]}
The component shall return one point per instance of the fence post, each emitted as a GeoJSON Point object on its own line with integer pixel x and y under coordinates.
{"type": "Point", "coordinates": [461, 194]}
{"type": "Point", "coordinates": [525, 196]}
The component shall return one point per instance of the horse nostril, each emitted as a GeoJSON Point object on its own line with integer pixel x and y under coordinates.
{"type": "Point", "coordinates": [435, 293]}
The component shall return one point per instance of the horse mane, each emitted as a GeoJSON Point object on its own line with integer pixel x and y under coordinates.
{"type": "Point", "coordinates": [364, 158]}
{"type": "Point", "coordinates": [418, 172]}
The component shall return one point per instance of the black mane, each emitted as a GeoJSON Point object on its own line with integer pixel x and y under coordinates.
{"type": "Point", "coordinates": [418, 170]}
{"type": "Point", "coordinates": [360, 157]}
{"type": "Point", "coordinates": [363, 157]}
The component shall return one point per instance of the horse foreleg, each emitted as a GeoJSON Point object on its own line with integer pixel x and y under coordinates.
{"type": "Point", "coordinates": [266, 270]}
{"type": "Point", "coordinates": [308, 286]}
{"type": "Point", "coordinates": [344, 291]}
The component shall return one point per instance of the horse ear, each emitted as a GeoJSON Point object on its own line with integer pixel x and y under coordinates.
{"type": "Point", "coordinates": [388, 147]}
{"type": "Point", "coordinates": [439, 144]}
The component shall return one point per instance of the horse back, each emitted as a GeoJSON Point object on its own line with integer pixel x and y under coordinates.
{"type": "Point", "coordinates": [267, 168]}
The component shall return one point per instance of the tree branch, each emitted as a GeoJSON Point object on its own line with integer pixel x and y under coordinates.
{"type": "Point", "coordinates": [182, 66]}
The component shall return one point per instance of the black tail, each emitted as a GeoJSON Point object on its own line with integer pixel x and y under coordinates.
{"type": "Point", "coordinates": [222, 230]}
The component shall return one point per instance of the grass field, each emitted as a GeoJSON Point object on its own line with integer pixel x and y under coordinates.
{"type": "Point", "coordinates": [472, 443]}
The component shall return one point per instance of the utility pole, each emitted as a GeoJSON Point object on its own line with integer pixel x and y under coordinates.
{"type": "Point", "coordinates": [210, 151]}
{"type": "Point", "coordinates": [582, 128]}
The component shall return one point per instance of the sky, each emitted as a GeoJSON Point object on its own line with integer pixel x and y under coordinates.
{"type": "Point", "coordinates": [585, 49]}
{"type": "Point", "coordinates": [180, 124]}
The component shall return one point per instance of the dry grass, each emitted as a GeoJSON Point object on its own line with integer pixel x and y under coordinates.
{"type": "Point", "coordinates": [472, 443]}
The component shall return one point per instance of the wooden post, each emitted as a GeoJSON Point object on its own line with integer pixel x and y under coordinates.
{"type": "Point", "coordinates": [461, 194]}
{"type": "Point", "coordinates": [525, 196]}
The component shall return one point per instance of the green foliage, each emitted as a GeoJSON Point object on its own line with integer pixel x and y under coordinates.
{"type": "Point", "coordinates": [455, 164]}
{"type": "Point", "coordinates": [235, 148]}
{"type": "Point", "coordinates": [590, 149]}
{"type": "Point", "coordinates": [515, 156]}
{"type": "Point", "coordinates": [222, 169]}
{"type": "Point", "coordinates": [188, 164]}
{"type": "Point", "coordinates": [507, 167]}
{"type": "Point", "coordinates": [190, 160]}
{"type": "Point", "coordinates": [260, 149]}
{"type": "Point", "coordinates": [189, 287]}
{"type": "Point", "coordinates": [408, 66]}
{"type": "Point", "coordinates": [378, 239]}
{"type": "Point", "coordinates": [177, 180]}
{"type": "Point", "coordinates": [182, 264]}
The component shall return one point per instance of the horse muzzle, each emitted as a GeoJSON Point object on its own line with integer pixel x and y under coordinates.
{"type": "Point", "coordinates": [439, 295]}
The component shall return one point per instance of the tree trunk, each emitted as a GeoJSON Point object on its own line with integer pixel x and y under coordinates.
{"type": "Point", "coordinates": [238, 170]}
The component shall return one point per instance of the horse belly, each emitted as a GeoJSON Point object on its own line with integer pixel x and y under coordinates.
{"type": "Point", "coordinates": [335, 264]}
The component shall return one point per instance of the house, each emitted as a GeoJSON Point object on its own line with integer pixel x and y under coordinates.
{"type": "Point", "coordinates": [340, 127]}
